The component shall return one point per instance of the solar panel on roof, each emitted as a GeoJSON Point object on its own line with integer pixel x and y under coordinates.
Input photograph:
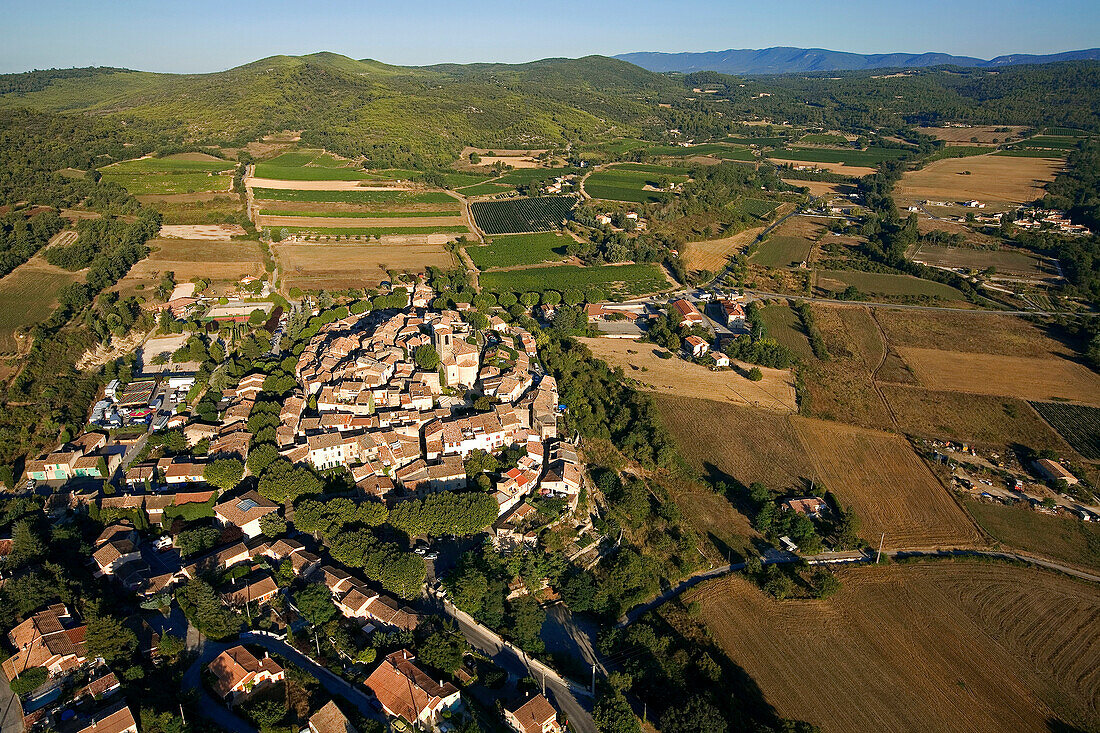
{"type": "Point", "coordinates": [246, 505]}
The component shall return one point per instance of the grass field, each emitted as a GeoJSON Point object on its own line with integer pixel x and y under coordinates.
{"type": "Point", "coordinates": [675, 377]}
{"type": "Point", "coordinates": [184, 163]}
{"type": "Point", "coordinates": [725, 151]}
{"type": "Point", "coordinates": [519, 249]}
{"type": "Point", "coordinates": [623, 279]}
{"type": "Point", "coordinates": [998, 181]}
{"type": "Point", "coordinates": [823, 139]}
{"type": "Point", "coordinates": [524, 176]}
{"type": "Point", "coordinates": [342, 266]}
{"type": "Point", "coordinates": [958, 647]}
{"type": "Point", "coordinates": [785, 326]}
{"type": "Point", "coordinates": [860, 158]}
{"type": "Point", "coordinates": [1012, 262]}
{"type": "Point", "coordinates": [353, 197]}
{"type": "Point", "coordinates": [483, 189]}
{"type": "Point", "coordinates": [841, 388]}
{"type": "Point", "coordinates": [213, 209]}
{"type": "Point", "coordinates": [28, 295]}
{"type": "Point", "coordinates": [1062, 538]}
{"type": "Point", "coordinates": [985, 333]}
{"type": "Point", "coordinates": [1078, 424]}
{"type": "Point", "coordinates": [628, 182]}
{"type": "Point", "coordinates": [1028, 378]}
{"type": "Point", "coordinates": [983, 133]}
{"type": "Point", "coordinates": [140, 184]}
{"type": "Point", "coordinates": [887, 484]}
{"type": "Point", "coordinates": [725, 441]}
{"type": "Point", "coordinates": [969, 418]}
{"type": "Point", "coordinates": [757, 141]}
{"type": "Point", "coordinates": [779, 251]}
{"type": "Point", "coordinates": [308, 165]}
{"type": "Point", "coordinates": [880, 283]}
{"type": "Point", "coordinates": [1052, 155]}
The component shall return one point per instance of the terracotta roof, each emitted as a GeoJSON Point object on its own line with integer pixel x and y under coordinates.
{"type": "Point", "coordinates": [404, 689]}
{"type": "Point", "coordinates": [245, 508]}
{"type": "Point", "coordinates": [534, 714]}
{"type": "Point", "coordinates": [115, 721]}
{"type": "Point", "coordinates": [234, 666]}
{"type": "Point", "coordinates": [101, 685]}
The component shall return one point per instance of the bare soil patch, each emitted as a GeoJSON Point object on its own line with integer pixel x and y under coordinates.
{"type": "Point", "coordinates": [191, 259]}
{"type": "Point", "coordinates": [845, 170]}
{"type": "Point", "coordinates": [349, 222]}
{"type": "Point", "coordinates": [997, 374]}
{"type": "Point", "coordinates": [999, 181]}
{"type": "Point", "coordinates": [342, 266]}
{"type": "Point", "coordinates": [316, 185]}
{"type": "Point", "coordinates": [675, 377]}
{"type": "Point", "coordinates": [216, 232]}
{"type": "Point", "coordinates": [824, 188]}
{"type": "Point", "coordinates": [945, 647]}
{"type": "Point", "coordinates": [888, 485]}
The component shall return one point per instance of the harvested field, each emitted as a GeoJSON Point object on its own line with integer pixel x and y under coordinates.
{"type": "Point", "coordinates": [28, 295]}
{"type": "Point", "coordinates": [999, 181]}
{"type": "Point", "coordinates": [713, 254]}
{"type": "Point", "coordinates": [201, 231]}
{"type": "Point", "coordinates": [969, 418]}
{"type": "Point", "coordinates": [923, 647]}
{"type": "Point", "coordinates": [983, 133]}
{"type": "Point", "coordinates": [824, 188]}
{"type": "Point", "coordinates": [1012, 376]}
{"type": "Point", "coordinates": [676, 377]}
{"type": "Point", "coordinates": [1063, 538]}
{"type": "Point", "coordinates": [977, 332]}
{"type": "Point", "coordinates": [1010, 262]}
{"type": "Point", "coordinates": [725, 441]}
{"type": "Point", "coordinates": [888, 485]}
{"type": "Point", "coordinates": [191, 259]}
{"type": "Point", "coordinates": [844, 170]}
{"type": "Point", "coordinates": [342, 266]}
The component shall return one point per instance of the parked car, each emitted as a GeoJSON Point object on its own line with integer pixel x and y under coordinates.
{"type": "Point", "coordinates": [162, 543]}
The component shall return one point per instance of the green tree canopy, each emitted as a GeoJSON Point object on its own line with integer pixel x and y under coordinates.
{"type": "Point", "coordinates": [224, 473]}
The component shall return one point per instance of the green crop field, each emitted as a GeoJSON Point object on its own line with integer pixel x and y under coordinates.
{"type": "Point", "coordinates": [521, 216]}
{"type": "Point", "coordinates": [667, 170]}
{"type": "Point", "coordinates": [720, 150]}
{"type": "Point", "coordinates": [1066, 132]}
{"type": "Point", "coordinates": [371, 231]}
{"type": "Point", "coordinates": [1078, 424]}
{"type": "Point", "coordinates": [1062, 538]}
{"type": "Point", "coordinates": [519, 249]}
{"type": "Point", "coordinates": [170, 164]}
{"type": "Point", "coordinates": [361, 214]}
{"type": "Point", "coordinates": [758, 141]}
{"type": "Point", "coordinates": [1061, 142]}
{"type": "Point", "coordinates": [623, 183]}
{"type": "Point", "coordinates": [524, 176]}
{"type": "Point", "coordinates": [308, 165]}
{"type": "Point", "coordinates": [141, 184]}
{"type": "Point", "coordinates": [879, 283]}
{"type": "Point", "coordinates": [823, 139]}
{"type": "Point", "coordinates": [870, 157]}
{"type": "Point", "coordinates": [623, 279]}
{"type": "Point", "coordinates": [784, 325]}
{"type": "Point", "coordinates": [958, 151]}
{"type": "Point", "coordinates": [483, 189]}
{"type": "Point", "coordinates": [782, 252]}
{"type": "Point", "coordinates": [352, 197]}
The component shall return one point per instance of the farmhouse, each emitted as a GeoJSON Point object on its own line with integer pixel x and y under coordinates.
{"type": "Point", "coordinates": [408, 692]}
{"type": "Point", "coordinates": [696, 346]}
{"type": "Point", "coordinates": [536, 715]}
{"type": "Point", "coordinates": [236, 672]}
{"type": "Point", "coordinates": [812, 506]}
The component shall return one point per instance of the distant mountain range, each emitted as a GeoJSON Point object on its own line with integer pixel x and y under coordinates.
{"type": "Point", "coordinates": [786, 60]}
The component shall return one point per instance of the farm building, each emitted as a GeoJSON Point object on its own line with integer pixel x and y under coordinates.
{"type": "Point", "coordinates": [1054, 471]}
{"type": "Point", "coordinates": [689, 314]}
{"type": "Point", "coordinates": [696, 346]}
{"type": "Point", "coordinates": [813, 506]}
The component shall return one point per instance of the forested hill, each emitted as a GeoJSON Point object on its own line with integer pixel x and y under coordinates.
{"type": "Point", "coordinates": [393, 115]}
{"type": "Point", "coordinates": [787, 60]}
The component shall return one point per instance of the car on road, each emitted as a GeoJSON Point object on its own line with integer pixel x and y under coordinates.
{"type": "Point", "coordinates": [431, 555]}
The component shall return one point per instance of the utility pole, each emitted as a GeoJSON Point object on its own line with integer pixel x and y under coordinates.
{"type": "Point", "coordinates": [878, 557]}
{"type": "Point", "coordinates": [182, 718]}
{"type": "Point", "coordinates": [593, 678]}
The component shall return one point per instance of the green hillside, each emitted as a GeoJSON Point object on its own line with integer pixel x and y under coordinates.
{"type": "Point", "coordinates": [395, 116]}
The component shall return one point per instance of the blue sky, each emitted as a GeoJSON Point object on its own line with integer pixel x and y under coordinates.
{"type": "Point", "coordinates": [199, 35]}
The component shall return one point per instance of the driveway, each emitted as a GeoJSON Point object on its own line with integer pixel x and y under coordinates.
{"type": "Point", "coordinates": [11, 710]}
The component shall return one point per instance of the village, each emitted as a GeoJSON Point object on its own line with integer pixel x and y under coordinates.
{"type": "Point", "coordinates": [393, 405]}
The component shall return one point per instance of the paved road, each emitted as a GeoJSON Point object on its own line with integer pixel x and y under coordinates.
{"type": "Point", "coordinates": [517, 663]}
{"type": "Point", "coordinates": [11, 710]}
